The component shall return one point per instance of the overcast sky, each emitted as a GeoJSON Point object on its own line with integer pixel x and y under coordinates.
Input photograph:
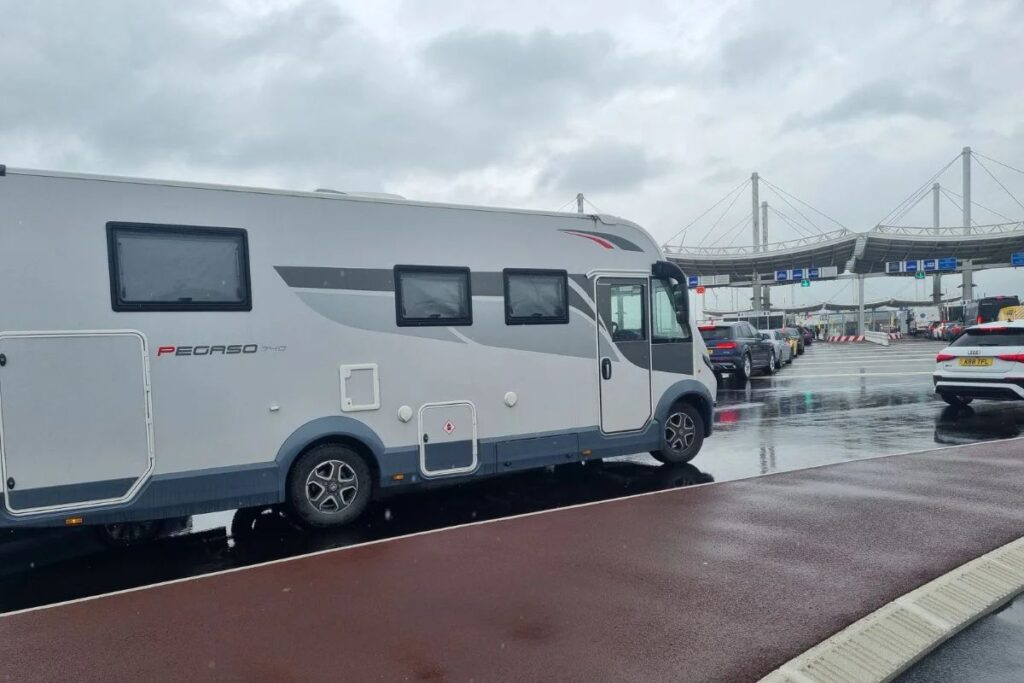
{"type": "Point", "coordinates": [654, 110]}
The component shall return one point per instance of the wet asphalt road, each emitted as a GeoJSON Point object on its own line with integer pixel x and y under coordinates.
{"type": "Point", "coordinates": [837, 402]}
{"type": "Point", "coordinates": [990, 651]}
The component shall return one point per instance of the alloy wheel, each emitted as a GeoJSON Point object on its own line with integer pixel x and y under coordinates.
{"type": "Point", "coordinates": [331, 486]}
{"type": "Point", "coordinates": [680, 431]}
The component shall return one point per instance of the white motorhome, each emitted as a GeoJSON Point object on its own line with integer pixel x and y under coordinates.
{"type": "Point", "coordinates": [173, 348]}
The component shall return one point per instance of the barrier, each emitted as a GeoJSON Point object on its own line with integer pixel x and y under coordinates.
{"type": "Point", "coordinates": [846, 338]}
{"type": "Point", "coordinates": [881, 338]}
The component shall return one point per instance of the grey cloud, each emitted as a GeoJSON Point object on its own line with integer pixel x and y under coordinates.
{"type": "Point", "coordinates": [761, 52]}
{"type": "Point", "coordinates": [883, 99]}
{"type": "Point", "coordinates": [302, 87]}
{"type": "Point", "coordinates": [496, 64]}
{"type": "Point", "coordinates": [613, 167]}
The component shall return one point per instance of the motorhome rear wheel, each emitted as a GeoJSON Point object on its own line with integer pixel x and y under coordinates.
{"type": "Point", "coordinates": [329, 485]}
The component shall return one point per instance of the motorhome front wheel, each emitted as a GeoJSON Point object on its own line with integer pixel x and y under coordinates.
{"type": "Point", "coordinates": [329, 485]}
{"type": "Point", "coordinates": [682, 434]}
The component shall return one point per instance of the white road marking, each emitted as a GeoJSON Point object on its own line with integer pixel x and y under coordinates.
{"type": "Point", "coordinates": [844, 361]}
{"type": "Point", "coordinates": [845, 374]}
{"type": "Point", "coordinates": [738, 406]}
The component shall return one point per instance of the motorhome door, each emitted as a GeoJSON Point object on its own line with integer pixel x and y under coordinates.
{"type": "Point", "coordinates": [624, 353]}
{"type": "Point", "coordinates": [75, 428]}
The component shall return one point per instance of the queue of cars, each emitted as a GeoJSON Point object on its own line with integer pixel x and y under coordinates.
{"type": "Point", "coordinates": [736, 348]}
{"type": "Point", "coordinates": [986, 309]}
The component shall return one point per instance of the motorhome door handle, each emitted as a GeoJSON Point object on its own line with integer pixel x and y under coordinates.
{"type": "Point", "coordinates": [606, 368]}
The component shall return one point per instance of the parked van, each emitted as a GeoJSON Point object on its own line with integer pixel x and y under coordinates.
{"type": "Point", "coordinates": [172, 348]}
{"type": "Point", "coordinates": [986, 310]}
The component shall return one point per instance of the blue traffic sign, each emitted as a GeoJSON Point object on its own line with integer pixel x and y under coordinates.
{"type": "Point", "coordinates": [911, 266]}
{"type": "Point", "coordinates": [813, 273]}
{"type": "Point", "coordinates": [781, 275]}
{"type": "Point", "coordinates": [798, 273]}
{"type": "Point", "coordinates": [948, 263]}
{"type": "Point", "coordinates": [693, 280]}
{"type": "Point", "coordinates": [1017, 258]}
{"type": "Point", "coordinates": [930, 265]}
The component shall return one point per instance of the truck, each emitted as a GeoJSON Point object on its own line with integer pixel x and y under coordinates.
{"type": "Point", "coordinates": [920, 318]}
{"type": "Point", "coordinates": [172, 348]}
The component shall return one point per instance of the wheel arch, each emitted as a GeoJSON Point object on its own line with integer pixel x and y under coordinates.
{"type": "Point", "coordinates": [689, 391]}
{"type": "Point", "coordinates": [336, 429]}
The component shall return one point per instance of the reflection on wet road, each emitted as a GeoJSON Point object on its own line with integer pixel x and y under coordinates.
{"type": "Point", "coordinates": [835, 403]}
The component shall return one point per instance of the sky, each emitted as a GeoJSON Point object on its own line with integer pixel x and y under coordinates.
{"type": "Point", "coordinates": [654, 110]}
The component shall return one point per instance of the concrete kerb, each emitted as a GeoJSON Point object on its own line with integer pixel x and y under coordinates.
{"type": "Point", "coordinates": [885, 643]}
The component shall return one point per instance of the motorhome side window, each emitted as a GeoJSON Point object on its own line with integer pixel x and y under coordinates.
{"type": "Point", "coordinates": [178, 268]}
{"type": "Point", "coordinates": [432, 295]}
{"type": "Point", "coordinates": [665, 325]}
{"type": "Point", "coordinates": [628, 312]}
{"type": "Point", "coordinates": [535, 297]}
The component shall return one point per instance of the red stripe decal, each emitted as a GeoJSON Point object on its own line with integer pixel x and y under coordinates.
{"type": "Point", "coordinates": [603, 242]}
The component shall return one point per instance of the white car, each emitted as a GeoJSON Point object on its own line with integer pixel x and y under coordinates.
{"type": "Point", "coordinates": [985, 362]}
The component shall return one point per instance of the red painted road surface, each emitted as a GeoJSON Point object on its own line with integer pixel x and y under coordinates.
{"type": "Point", "coordinates": [721, 582]}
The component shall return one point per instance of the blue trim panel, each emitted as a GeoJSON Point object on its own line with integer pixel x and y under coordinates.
{"type": "Point", "coordinates": [227, 488]}
{"type": "Point", "coordinates": [45, 496]}
{"type": "Point", "coordinates": [446, 456]}
{"type": "Point", "coordinates": [537, 451]}
{"type": "Point", "coordinates": [177, 495]}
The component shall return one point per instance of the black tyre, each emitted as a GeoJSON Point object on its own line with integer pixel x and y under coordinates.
{"type": "Point", "coordinates": [773, 365]}
{"type": "Point", "coordinates": [682, 435]}
{"type": "Point", "coordinates": [956, 401]}
{"type": "Point", "coordinates": [329, 486]}
{"type": "Point", "coordinates": [746, 369]}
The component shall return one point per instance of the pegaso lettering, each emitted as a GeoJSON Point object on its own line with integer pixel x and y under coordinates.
{"type": "Point", "coordinates": [207, 350]}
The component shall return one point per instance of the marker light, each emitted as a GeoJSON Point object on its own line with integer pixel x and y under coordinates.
{"type": "Point", "coordinates": [73, 521]}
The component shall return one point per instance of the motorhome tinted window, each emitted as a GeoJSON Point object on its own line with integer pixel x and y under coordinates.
{"type": "Point", "coordinates": [627, 310]}
{"type": "Point", "coordinates": [177, 268]}
{"type": "Point", "coordinates": [666, 327]}
{"type": "Point", "coordinates": [536, 297]}
{"type": "Point", "coordinates": [433, 296]}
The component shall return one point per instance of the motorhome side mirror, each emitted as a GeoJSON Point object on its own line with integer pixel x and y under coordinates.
{"type": "Point", "coordinates": [679, 301]}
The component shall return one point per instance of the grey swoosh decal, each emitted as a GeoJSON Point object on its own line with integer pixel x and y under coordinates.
{"type": "Point", "coordinates": [383, 280]}
{"type": "Point", "coordinates": [311, 277]}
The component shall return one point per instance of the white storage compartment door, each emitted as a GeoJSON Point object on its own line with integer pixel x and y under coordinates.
{"type": "Point", "coordinates": [75, 427]}
{"type": "Point", "coordinates": [447, 438]}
